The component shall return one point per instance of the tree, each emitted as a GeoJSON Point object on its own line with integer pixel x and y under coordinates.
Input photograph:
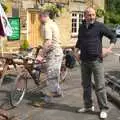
{"type": "Point", "coordinates": [112, 11]}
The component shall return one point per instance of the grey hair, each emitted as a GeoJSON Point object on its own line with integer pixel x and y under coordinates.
{"type": "Point", "coordinates": [88, 9]}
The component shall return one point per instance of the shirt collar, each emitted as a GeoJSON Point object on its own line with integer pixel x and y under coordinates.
{"type": "Point", "coordinates": [88, 24]}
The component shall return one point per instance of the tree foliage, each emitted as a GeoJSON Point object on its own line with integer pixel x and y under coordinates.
{"type": "Point", "coordinates": [112, 15]}
{"type": "Point", "coordinates": [100, 13]}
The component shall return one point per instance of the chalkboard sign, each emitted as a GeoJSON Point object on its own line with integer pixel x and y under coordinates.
{"type": "Point", "coordinates": [15, 24]}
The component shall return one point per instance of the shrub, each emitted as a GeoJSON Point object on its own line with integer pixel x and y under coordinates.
{"type": "Point", "coordinates": [112, 18]}
{"type": "Point", "coordinates": [25, 45]}
{"type": "Point", "coordinates": [100, 13]}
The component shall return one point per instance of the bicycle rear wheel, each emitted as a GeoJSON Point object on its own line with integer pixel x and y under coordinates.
{"type": "Point", "coordinates": [18, 91]}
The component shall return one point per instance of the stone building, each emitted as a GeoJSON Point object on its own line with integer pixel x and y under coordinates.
{"type": "Point", "coordinates": [68, 22]}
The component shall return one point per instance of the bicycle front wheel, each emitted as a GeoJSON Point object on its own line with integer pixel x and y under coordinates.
{"type": "Point", "coordinates": [18, 91]}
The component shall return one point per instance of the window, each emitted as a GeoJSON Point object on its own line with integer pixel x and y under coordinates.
{"type": "Point", "coordinates": [76, 21]}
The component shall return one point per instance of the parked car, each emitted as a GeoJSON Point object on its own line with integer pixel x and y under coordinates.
{"type": "Point", "coordinates": [112, 27]}
{"type": "Point", "coordinates": [118, 31]}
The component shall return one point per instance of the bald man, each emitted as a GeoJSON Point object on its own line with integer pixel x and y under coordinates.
{"type": "Point", "coordinates": [89, 43]}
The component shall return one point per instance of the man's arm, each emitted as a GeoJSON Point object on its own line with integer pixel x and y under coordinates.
{"type": "Point", "coordinates": [77, 47]}
{"type": "Point", "coordinates": [47, 46]}
{"type": "Point", "coordinates": [108, 33]}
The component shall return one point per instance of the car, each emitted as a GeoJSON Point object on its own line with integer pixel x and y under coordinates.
{"type": "Point", "coordinates": [117, 31]}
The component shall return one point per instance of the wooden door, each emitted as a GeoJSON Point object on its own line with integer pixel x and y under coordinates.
{"type": "Point", "coordinates": [33, 28]}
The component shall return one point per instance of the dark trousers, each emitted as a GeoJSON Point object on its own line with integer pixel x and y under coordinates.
{"type": "Point", "coordinates": [96, 68]}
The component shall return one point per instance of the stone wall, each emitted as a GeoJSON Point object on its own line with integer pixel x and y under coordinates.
{"type": "Point", "coordinates": [64, 23]}
{"type": "Point", "coordinates": [73, 6]}
{"type": "Point", "coordinates": [95, 3]}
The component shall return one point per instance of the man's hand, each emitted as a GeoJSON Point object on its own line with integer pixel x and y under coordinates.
{"type": "Point", "coordinates": [40, 59]}
{"type": "Point", "coordinates": [77, 54]}
{"type": "Point", "coordinates": [106, 52]}
{"type": "Point", "coordinates": [48, 44]}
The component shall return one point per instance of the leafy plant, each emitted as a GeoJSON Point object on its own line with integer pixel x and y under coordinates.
{"type": "Point", "coordinates": [54, 9]}
{"type": "Point", "coordinates": [112, 15]}
{"type": "Point", "coordinates": [4, 7]}
{"type": "Point", "coordinates": [2, 2]}
{"type": "Point", "coordinates": [25, 45]}
{"type": "Point", "coordinates": [100, 12]}
{"type": "Point", "coordinates": [112, 18]}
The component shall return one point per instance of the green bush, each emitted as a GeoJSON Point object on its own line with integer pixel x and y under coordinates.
{"type": "Point", "coordinates": [4, 7]}
{"type": "Point", "coordinates": [25, 45]}
{"type": "Point", "coordinates": [100, 13]}
{"type": "Point", "coordinates": [112, 18]}
{"type": "Point", "coordinates": [112, 14]}
{"type": "Point", "coordinates": [2, 2]}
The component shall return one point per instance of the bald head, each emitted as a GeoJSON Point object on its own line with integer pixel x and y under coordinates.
{"type": "Point", "coordinates": [90, 15]}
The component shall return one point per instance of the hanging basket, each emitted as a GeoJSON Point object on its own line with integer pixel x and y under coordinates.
{"type": "Point", "coordinates": [54, 9]}
{"type": "Point", "coordinates": [4, 7]}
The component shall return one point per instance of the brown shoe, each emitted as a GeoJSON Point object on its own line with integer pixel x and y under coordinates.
{"type": "Point", "coordinates": [56, 94]}
{"type": "Point", "coordinates": [38, 103]}
{"type": "Point", "coordinates": [4, 115]}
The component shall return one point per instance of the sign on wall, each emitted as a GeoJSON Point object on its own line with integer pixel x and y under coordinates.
{"type": "Point", "coordinates": [15, 24]}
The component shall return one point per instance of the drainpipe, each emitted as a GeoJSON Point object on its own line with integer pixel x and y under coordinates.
{"type": "Point", "coordinates": [92, 3]}
{"type": "Point", "coordinates": [42, 2]}
{"type": "Point", "coordinates": [36, 5]}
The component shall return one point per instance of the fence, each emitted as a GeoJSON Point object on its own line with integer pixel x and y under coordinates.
{"type": "Point", "coordinates": [106, 43]}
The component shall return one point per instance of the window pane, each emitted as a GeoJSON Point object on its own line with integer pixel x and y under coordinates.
{"type": "Point", "coordinates": [72, 30]}
{"type": "Point", "coordinates": [76, 20]}
{"type": "Point", "coordinates": [75, 30]}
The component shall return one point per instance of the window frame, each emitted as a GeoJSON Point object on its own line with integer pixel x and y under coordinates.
{"type": "Point", "coordinates": [78, 17]}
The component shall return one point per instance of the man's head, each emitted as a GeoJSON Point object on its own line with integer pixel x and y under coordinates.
{"type": "Point", "coordinates": [44, 16]}
{"type": "Point", "coordinates": [90, 15]}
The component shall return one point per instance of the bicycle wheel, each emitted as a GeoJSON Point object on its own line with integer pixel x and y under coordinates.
{"type": "Point", "coordinates": [63, 73]}
{"type": "Point", "coordinates": [19, 90]}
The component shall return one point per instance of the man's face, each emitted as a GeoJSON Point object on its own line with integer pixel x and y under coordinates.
{"type": "Point", "coordinates": [90, 15]}
{"type": "Point", "coordinates": [43, 18]}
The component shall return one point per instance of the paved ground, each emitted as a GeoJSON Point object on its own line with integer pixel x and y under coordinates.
{"type": "Point", "coordinates": [60, 108]}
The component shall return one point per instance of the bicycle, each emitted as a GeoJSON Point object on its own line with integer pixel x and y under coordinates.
{"type": "Point", "coordinates": [23, 73]}
{"type": "Point", "coordinates": [20, 85]}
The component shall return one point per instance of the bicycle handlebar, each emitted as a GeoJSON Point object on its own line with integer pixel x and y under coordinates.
{"type": "Point", "coordinates": [20, 56]}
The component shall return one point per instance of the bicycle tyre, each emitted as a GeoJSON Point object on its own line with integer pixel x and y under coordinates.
{"type": "Point", "coordinates": [18, 92]}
